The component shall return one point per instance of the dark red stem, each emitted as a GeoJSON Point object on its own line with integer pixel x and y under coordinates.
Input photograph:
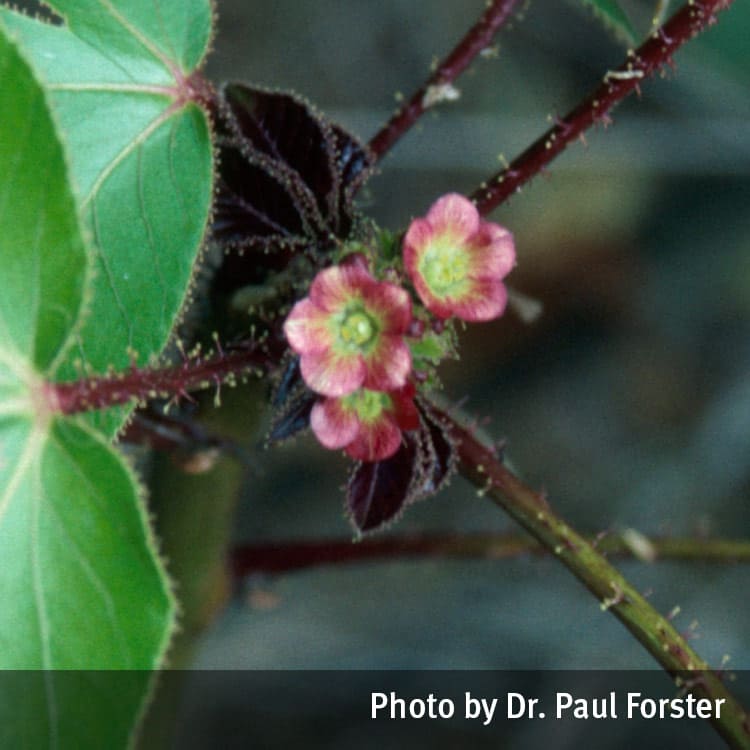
{"type": "Point", "coordinates": [286, 556]}
{"type": "Point", "coordinates": [476, 39]}
{"type": "Point", "coordinates": [617, 84]}
{"type": "Point", "coordinates": [141, 385]}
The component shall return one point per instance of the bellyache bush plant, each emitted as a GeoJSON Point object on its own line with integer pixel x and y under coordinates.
{"type": "Point", "coordinates": [119, 161]}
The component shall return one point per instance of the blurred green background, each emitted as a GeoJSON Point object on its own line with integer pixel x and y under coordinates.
{"type": "Point", "coordinates": [628, 400]}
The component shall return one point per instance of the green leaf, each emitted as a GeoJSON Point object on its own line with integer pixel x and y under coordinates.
{"type": "Point", "coordinates": [169, 33]}
{"type": "Point", "coordinates": [81, 590]}
{"type": "Point", "coordinates": [81, 585]}
{"type": "Point", "coordinates": [429, 347]}
{"type": "Point", "coordinates": [614, 18]}
{"type": "Point", "coordinates": [118, 73]}
{"type": "Point", "coordinates": [42, 256]}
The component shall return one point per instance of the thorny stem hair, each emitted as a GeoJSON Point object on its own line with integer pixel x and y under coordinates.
{"type": "Point", "coordinates": [197, 372]}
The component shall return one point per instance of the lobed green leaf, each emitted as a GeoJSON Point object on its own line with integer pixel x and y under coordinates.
{"type": "Point", "coordinates": [141, 162]}
{"type": "Point", "coordinates": [81, 584]}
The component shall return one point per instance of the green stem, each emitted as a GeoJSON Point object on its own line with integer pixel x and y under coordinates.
{"type": "Point", "coordinates": [530, 509]}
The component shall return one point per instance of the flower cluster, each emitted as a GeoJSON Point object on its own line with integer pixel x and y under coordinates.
{"type": "Point", "coordinates": [356, 334]}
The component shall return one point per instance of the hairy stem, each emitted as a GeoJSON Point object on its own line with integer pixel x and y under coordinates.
{"type": "Point", "coordinates": [474, 41]}
{"type": "Point", "coordinates": [196, 373]}
{"type": "Point", "coordinates": [286, 556]}
{"type": "Point", "coordinates": [616, 85]}
{"type": "Point", "coordinates": [530, 509]}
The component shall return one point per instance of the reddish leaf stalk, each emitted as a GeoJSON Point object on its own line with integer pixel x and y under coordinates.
{"type": "Point", "coordinates": [286, 556]}
{"type": "Point", "coordinates": [616, 85]}
{"type": "Point", "coordinates": [140, 385]}
{"type": "Point", "coordinates": [531, 510]}
{"type": "Point", "coordinates": [476, 39]}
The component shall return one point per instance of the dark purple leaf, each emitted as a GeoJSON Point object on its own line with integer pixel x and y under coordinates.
{"type": "Point", "coordinates": [438, 452]}
{"type": "Point", "coordinates": [287, 175]}
{"type": "Point", "coordinates": [354, 165]}
{"type": "Point", "coordinates": [290, 379]}
{"type": "Point", "coordinates": [379, 490]}
{"type": "Point", "coordinates": [293, 402]}
{"type": "Point", "coordinates": [294, 418]}
{"type": "Point", "coordinates": [290, 134]}
{"type": "Point", "coordinates": [253, 208]}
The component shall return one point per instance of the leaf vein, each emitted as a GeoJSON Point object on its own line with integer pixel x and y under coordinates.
{"type": "Point", "coordinates": [150, 235]}
{"type": "Point", "coordinates": [165, 32]}
{"type": "Point", "coordinates": [89, 569]}
{"type": "Point", "coordinates": [33, 445]}
{"type": "Point", "coordinates": [136, 34]}
{"type": "Point", "coordinates": [117, 88]}
{"type": "Point", "coordinates": [39, 600]}
{"type": "Point", "coordinates": [110, 278]}
{"type": "Point", "coordinates": [34, 291]}
{"type": "Point", "coordinates": [137, 141]}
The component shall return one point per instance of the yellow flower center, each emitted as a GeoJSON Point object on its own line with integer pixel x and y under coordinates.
{"type": "Point", "coordinates": [357, 328]}
{"type": "Point", "coordinates": [369, 405]}
{"type": "Point", "coordinates": [445, 268]}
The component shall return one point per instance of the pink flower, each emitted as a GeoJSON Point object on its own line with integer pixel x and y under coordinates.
{"type": "Point", "coordinates": [457, 261]}
{"type": "Point", "coordinates": [349, 332]}
{"type": "Point", "coordinates": [366, 424]}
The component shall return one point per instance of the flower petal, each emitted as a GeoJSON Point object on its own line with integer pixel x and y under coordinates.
{"type": "Point", "coordinates": [389, 365]}
{"type": "Point", "coordinates": [404, 409]}
{"type": "Point", "coordinates": [493, 252]}
{"type": "Point", "coordinates": [457, 261]}
{"type": "Point", "coordinates": [414, 248]}
{"type": "Point", "coordinates": [333, 287]}
{"type": "Point", "coordinates": [441, 308]}
{"type": "Point", "coordinates": [416, 241]}
{"type": "Point", "coordinates": [333, 425]}
{"type": "Point", "coordinates": [455, 216]}
{"type": "Point", "coordinates": [485, 301]}
{"type": "Point", "coordinates": [333, 375]}
{"type": "Point", "coordinates": [379, 490]}
{"type": "Point", "coordinates": [375, 440]}
{"type": "Point", "coordinates": [306, 328]}
{"type": "Point", "coordinates": [391, 305]}
{"type": "Point", "coordinates": [356, 259]}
